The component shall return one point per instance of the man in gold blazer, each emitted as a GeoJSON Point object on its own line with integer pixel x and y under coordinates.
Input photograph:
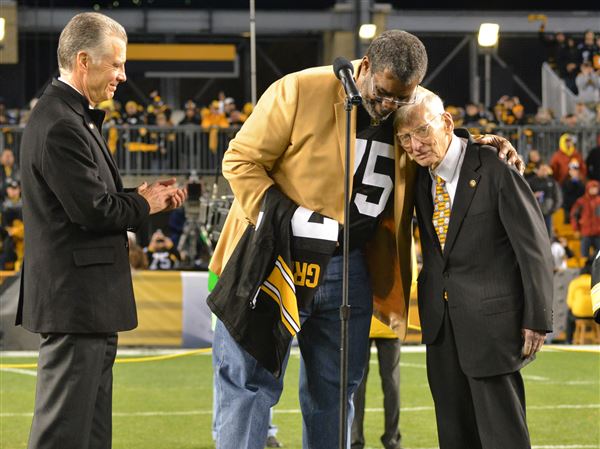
{"type": "Point", "coordinates": [295, 140]}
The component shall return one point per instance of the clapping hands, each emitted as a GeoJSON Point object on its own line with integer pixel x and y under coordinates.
{"type": "Point", "coordinates": [162, 195]}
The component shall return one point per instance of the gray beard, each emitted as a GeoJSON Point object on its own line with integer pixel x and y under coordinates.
{"type": "Point", "coordinates": [370, 107]}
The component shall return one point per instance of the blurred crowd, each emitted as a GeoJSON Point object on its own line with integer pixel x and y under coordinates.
{"type": "Point", "coordinates": [509, 111]}
{"type": "Point", "coordinates": [576, 61]}
{"type": "Point", "coordinates": [166, 136]}
{"type": "Point", "coordinates": [155, 123]}
{"type": "Point", "coordinates": [221, 112]}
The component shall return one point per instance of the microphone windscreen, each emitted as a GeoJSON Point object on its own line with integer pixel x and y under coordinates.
{"type": "Point", "coordinates": [341, 63]}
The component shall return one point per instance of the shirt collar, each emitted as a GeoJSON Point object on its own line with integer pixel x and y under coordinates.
{"type": "Point", "coordinates": [63, 80]}
{"type": "Point", "coordinates": [447, 169]}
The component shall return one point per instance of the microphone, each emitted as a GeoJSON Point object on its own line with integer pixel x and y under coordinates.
{"type": "Point", "coordinates": [343, 70]}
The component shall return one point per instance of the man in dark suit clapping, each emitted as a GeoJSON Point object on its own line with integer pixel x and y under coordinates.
{"type": "Point", "coordinates": [76, 286]}
{"type": "Point", "coordinates": [485, 289]}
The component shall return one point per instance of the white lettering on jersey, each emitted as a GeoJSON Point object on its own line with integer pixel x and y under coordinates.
{"type": "Point", "coordinates": [378, 149]}
{"type": "Point", "coordinates": [160, 261]}
{"type": "Point", "coordinates": [359, 152]}
{"type": "Point", "coordinates": [301, 227]}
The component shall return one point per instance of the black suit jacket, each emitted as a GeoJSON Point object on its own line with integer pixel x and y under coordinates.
{"type": "Point", "coordinates": [496, 266]}
{"type": "Point", "coordinates": [76, 275]}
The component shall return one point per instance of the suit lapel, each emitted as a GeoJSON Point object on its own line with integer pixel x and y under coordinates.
{"type": "Point", "coordinates": [425, 204]}
{"type": "Point", "coordinates": [94, 125]}
{"type": "Point", "coordinates": [468, 183]}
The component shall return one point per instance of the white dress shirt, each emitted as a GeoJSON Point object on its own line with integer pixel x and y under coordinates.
{"type": "Point", "coordinates": [449, 168]}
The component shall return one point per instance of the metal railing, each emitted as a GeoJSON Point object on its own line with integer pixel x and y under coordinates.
{"type": "Point", "coordinates": [545, 138]}
{"type": "Point", "coordinates": [153, 150]}
{"type": "Point", "coordinates": [179, 150]}
{"type": "Point", "coordinates": [556, 96]}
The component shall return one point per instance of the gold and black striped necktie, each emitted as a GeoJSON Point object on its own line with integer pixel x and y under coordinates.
{"type": "Point", "coordinates": [441, 212]}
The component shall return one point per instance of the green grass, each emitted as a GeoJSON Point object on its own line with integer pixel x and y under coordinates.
{"type": "Point", "coordinates": [180, 392]}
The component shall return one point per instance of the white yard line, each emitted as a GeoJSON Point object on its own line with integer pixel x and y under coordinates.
{"type": "Point", "coordinates": [413, 365]}
{"type": "Point", "coordinates": [565, 382]}
{"type": "Point", "coordinates": [407, 365]}
{"type": "Point", "coordinates": [562, 406]}
{"type": "Point", "coordinates": [297, 411]}
{"type": "Point", "coordinates": [20, 371]}
{"type": "Point", "coordinates": [18, 354]}
{"type": "Point", "coordinates": [536, 378]}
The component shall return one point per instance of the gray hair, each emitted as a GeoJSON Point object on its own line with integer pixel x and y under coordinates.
{"type": "Point", "coordinates": [87, 32]}
{"type": "Point", "coordinates": [425, 101]}
{"type": "Point", "coordinates": [400, 52]}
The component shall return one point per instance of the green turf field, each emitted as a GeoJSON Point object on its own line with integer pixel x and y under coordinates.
{"type": "Point", "coordinates": [167, 404]}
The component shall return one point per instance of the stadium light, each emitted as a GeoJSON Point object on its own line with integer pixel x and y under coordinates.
{"type": "Point", "coordinates": [488, 34]}
{"type": "Point", "coordinates": [367, 31]}
{"type": "Point", "coordinates": [2, 28]}
{"type": "Point", "coordinates": [488, 42]}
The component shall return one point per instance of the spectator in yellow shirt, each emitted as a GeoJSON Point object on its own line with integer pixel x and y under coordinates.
{"type": "Point", "coordinates": [211, 122]}
{"type": "Point", "coordinates": [579, 298]}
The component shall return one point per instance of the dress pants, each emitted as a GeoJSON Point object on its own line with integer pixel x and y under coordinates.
{"type": "Point", "coordinates": [73, 400]}
{"type": "Point", "coordinates": [388, 354]}
{"type": "Point", "coordinates": [474, 413]}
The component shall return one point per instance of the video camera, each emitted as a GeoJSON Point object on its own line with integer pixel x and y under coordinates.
{"type": "Point", "coordinates": [196, 207]}
{"type": "Point", "coordinates": [194, 189]}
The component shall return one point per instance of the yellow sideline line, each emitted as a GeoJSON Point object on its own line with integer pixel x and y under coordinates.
{"type": "Point", "coordinates": [154, 358]}
{"type": "Point", "coordinates": [163, 357]}
{"type": "Point", "coordinates": [157, 358]}
{"type": "Point", "coordinates": [146, 359]}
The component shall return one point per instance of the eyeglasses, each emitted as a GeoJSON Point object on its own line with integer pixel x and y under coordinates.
{"type": "Point", "coordinates": [420, 133]}
{"type": "Point", "coordinates": [395, 101]}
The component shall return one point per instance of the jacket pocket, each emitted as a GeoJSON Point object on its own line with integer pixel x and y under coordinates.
{"type": "Point", "coordinates": [500, 304]}
{"type": "Point", "coordinates": [93, 256]}
{"type": "Point", "coordinates": [478, 217]}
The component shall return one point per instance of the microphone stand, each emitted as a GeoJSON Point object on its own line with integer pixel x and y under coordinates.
{"type": "Point", "coordinates": [345, 307]}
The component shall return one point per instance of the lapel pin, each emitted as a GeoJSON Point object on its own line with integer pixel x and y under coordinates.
{"type": "Point", "coordinates": [472, 183]}
{"type": "Point", "coordinates": [91, 125]}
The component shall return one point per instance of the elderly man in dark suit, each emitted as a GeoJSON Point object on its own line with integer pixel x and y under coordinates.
{"type": "Point", "coordinates": [485, 288]}
{"type": "Point", "coordinates": [76, 286]}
